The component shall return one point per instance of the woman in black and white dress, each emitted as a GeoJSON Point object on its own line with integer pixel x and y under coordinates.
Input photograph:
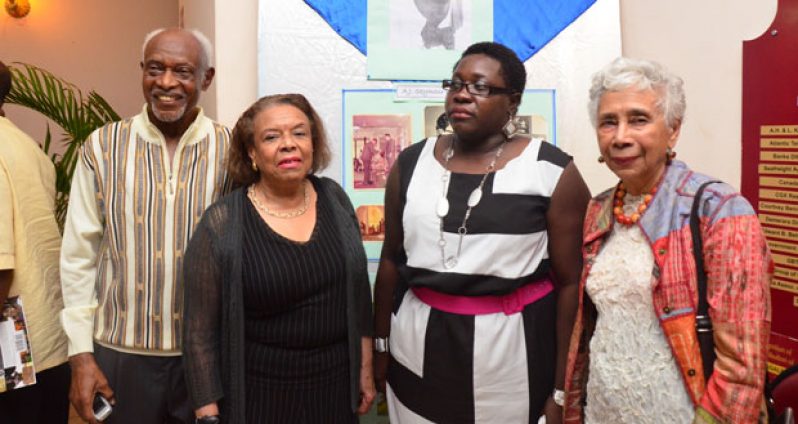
{"type": "Point", "coordinates": [477, 281]}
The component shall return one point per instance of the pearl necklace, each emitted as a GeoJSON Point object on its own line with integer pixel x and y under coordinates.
{"type": "Point", "coordinates": [620, 216]}
{"type": "Point", "coordinates": [284, 215]}
{"type": "Point", "coordinates": [442, 207]}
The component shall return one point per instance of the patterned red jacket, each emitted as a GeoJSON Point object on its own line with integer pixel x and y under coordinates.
{"type": "Point", "coordinates": [739, 268]}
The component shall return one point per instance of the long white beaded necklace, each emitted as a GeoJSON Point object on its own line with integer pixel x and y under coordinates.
{"type": "Point", "coordinates": [442, 207]}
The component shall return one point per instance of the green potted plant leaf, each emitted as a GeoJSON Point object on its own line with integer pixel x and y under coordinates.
{"type": "Point", "coordinates": [64, 104]}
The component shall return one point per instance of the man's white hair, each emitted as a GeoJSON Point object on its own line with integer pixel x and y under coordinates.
{"type": "Point", "coordinates": [206, 53]}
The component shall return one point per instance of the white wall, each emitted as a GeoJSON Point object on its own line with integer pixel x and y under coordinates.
{"type": "Point", "coordinates": [567, 64]}
{"type": "Point", "coordinates": [237, 65]}
{"type": "Point", "coordinates": [232, 27]}
{"type": "Point", "coordinates": [701, 41]}
{"type": "Point", "coordinates": [201, 15]}
{"type": "Point", "coordinates": [95, 44]}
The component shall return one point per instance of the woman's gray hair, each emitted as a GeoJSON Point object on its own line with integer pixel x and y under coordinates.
{"type": "Point", "coordinates": [206, 53]}
{"type": "Point", "coordinates": [623, 73]}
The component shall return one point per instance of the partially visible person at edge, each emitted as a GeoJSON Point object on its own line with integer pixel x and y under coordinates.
{"type": "Point", "coordinates": [634, 355]}
{"type": "Point", "coordinates": [139, 189]}
{"type": "Point", "coordinates": [29, 247]}
{"type": "Point", "coordinates": [278, 321]}
{"type": "Point", "coordinates": [477, 283]}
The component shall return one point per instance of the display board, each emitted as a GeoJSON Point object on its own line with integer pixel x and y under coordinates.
{"type": "Point", "coordinates": [770, 167]}
{"type": "Point", "coordinates": [302, 51]}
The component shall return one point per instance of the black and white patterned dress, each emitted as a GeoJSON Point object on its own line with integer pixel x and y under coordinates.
{"type": "Point", "coordinates": [491, 368]}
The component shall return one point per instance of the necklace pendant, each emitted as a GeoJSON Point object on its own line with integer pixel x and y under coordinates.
{"type": "Point", "coordinates": [475, 197]}
{"type": "Point", "coordinates": [450, 262]}
{"type": "Point", "coordinates": [442, 208]}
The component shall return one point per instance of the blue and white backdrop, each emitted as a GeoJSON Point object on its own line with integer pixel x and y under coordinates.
{"type": "Point", "coordinates": [318, 48]}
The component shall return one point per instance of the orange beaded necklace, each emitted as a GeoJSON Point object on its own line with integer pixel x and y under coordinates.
{"type": "Point", "coordinates": [620, 216]}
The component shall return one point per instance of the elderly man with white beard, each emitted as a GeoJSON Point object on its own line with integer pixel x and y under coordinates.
{"type": "Point", "coordinates": [139, 189]}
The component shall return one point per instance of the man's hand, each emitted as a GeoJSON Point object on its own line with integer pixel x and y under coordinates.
{"type": "Point", "coordinates": [87, 379]}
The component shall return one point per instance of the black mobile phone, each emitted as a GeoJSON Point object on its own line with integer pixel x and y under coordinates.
{"type": "Point", "coordinates": [101, 407]}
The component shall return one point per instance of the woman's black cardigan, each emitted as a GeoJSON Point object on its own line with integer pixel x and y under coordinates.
{"type": "Point", "coordinates": [213, 337]}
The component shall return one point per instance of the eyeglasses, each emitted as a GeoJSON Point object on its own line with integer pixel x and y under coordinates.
{"type": "Point", "coordinates": [476, 88]}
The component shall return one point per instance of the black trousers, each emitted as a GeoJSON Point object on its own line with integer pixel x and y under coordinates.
{"type": "Point", "coordinates": [46, 402]}
{"type": "Point", "coordinates": [148, 389]}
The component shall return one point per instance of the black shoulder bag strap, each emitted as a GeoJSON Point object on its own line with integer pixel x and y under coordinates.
{"type": "Point", "coordinates": [703, 324]}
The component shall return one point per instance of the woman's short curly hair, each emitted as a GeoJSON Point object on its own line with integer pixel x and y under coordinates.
{"type": "Point", "coordinates": [239, 165]}
{"type": "Point", "coordinates": [512, 69]}
{"type": "Point", "coordinates": [640, 74]}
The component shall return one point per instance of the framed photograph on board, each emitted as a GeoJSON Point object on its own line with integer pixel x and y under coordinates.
{"type": "Point", "coordinates": [376, 142]}
{"type": "Point", "coordinates": [421, 39]}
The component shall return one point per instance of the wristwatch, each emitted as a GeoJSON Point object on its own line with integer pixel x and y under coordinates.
{"type": "Point", "coordinates": [381, 344]}
{"type": "Point", "coordinates": [559, 397]}
{"type": "Point", "coordinates": [208, 419]}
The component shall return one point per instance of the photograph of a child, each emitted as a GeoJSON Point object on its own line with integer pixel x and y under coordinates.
{"type": "Point", "coordinates": [435, 121]}
{"type": "Point", "coordinates": [534, 126]}
{"type": "Point", "coordinates": [430, 24]}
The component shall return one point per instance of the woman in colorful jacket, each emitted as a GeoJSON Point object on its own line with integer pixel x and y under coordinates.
{"type": "Point", "coordinates": [634, 354]}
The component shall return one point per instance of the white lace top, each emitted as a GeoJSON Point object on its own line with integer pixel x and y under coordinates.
{"type": "Point", "coordinates": [633, 377]}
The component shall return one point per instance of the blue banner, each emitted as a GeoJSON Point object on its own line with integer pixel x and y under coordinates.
{"type": "Point", "coordinates": [525, 26]}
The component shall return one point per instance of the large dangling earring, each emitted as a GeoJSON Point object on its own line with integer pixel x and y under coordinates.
{"type": "Point", "coordinates": [254, 166]}
{"type": "Point", "coordinates": [669, 155]}
{"type": "Point", "coordinates": [510, 128]}
{"type": "Point", "coordinates": [601, 159]}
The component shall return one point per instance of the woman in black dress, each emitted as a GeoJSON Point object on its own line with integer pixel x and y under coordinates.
{"type": "Point", "coordinates": [277, 295]}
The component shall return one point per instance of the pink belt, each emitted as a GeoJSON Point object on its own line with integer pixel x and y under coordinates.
{"type": "Point", "coordinates": [480, 305]}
